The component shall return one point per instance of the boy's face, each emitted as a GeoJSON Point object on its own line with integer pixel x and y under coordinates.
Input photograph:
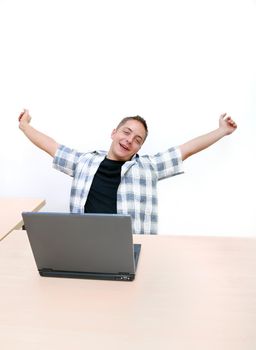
{"type": "Point", "coordinates": [126, 140]}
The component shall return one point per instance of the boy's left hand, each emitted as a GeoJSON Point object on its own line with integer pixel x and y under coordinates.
{"type": "Point", "coordinates": [227, 124]}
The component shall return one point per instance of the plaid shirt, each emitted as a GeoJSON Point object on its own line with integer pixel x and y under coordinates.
{"type": "Point", "coordinates": [137, 192]}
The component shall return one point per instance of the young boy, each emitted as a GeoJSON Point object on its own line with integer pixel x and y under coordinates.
{"type": "Point", "coordinates": [119, 180]}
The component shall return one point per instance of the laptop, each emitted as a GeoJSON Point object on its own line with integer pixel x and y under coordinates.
{"type": "Point", "coordinates": [94, 246]}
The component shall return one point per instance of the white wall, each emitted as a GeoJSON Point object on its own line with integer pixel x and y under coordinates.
{"type": "Point", "coordinates": [80, 66]}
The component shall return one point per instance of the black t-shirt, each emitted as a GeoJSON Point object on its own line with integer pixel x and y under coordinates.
{"type": "Point", "coordinates": [102, 194]}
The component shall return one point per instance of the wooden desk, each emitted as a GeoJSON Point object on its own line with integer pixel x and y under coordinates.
{"type": "Point", "coordinates": [190, 293]}
{"type": "Point", "coordinates": [10, 212]}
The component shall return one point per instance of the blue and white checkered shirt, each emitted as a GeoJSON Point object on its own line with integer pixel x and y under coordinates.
{"type": "Point", "coordinates": [137, 192]}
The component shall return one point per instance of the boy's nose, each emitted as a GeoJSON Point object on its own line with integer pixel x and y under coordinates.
{"type": "Point", "coordinates": [129, 139]}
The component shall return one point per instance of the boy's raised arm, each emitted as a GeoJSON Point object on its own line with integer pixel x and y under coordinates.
{"type": "Point", "coordinates": [39, 139]}
{"type": "Point", "coordinates": [226, 127]}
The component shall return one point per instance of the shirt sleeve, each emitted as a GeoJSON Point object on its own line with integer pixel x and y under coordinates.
{"type": "Point", "coordinates": [66, 159]}
{"type": "Point", "coordinates": [168, 163]}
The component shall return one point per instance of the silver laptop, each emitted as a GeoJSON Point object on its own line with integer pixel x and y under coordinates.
{"type": "Point", "coordinates": [95, 246]}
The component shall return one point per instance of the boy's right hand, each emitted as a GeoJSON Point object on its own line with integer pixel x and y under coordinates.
{"type": "Point", "coordinates": [24, 118]}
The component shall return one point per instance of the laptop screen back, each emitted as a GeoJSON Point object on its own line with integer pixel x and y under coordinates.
{"type": "Point", "coordinates": [82, 245]}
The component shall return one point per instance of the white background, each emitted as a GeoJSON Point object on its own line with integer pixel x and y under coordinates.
{"type": "Point", "coordinates": [81, 66]}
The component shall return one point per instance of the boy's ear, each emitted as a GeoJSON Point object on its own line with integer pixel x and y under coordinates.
{"type": "Point", "coordinates": [113, 133]}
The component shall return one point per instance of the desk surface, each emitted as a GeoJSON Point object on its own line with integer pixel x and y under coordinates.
{"type": "Point", "coordinates": [11, 209]}
{"type": "Point", "coordinates": [190, 293]}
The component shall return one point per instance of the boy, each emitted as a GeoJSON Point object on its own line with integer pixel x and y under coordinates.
{"type": "Point", "coordinates": [119, 180]}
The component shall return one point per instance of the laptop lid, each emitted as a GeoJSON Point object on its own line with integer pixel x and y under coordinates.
{"type": "Point", "coordinates": [98, 246]}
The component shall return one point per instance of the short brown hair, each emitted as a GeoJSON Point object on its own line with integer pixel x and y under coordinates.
{"type": "Point", "coordinates": [139, 119]}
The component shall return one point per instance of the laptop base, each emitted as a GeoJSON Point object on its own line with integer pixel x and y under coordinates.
{"type": "Point", "coordinates": [122, 276]}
